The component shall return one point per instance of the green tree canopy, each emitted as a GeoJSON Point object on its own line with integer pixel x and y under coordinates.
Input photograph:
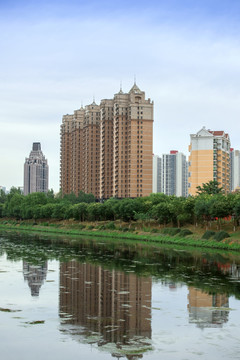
{"type": "Point", "coordinates": [212, 187]}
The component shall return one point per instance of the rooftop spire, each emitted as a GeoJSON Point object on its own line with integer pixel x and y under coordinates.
{"type": "Point", "coordinates": [94, 100]}
{"type": "Point", "coordinates": [121, 92]}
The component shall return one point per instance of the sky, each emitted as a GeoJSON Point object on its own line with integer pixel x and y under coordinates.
{"type": "Point", "coordinates": [56, 55]}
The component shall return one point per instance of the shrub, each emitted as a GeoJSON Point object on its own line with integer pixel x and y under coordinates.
{"type": "Point", "coordinates": [125, 229]}
{"type": "Point", "coordinates": [101, 227]}
{"type": "Point", "coordinates": [185, 232]}
{"type": "Point", "coordinates": [111, 226]}
{"type": "Point", "coordinates": [154, 230]}
{"type": "Point", "coordinates": [220, 235]}
{"type": "Point", "coordinates": [131, 229]}
{"type": "Point", "coordinates": [90, 227]}
{"type": "Point", "coordinates": [81, 226]}
{"type": "Point", "coordinates": [171, 231]}
{"type": "Point", "coordinates": [45, 224]}
{"type": "Point", "coordinates": [208, 234]}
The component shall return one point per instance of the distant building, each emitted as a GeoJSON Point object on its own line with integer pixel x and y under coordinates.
{"type": "Point", "coordinates": [209, 159]}
{"type": "Point", "coordinates": [235, 169]}
{"type": "Point", "coordinates": [157, 174]}
{"type": "Point", "coordinates": [35, 171]}
{"type": "Point", "coordinates": [174, 174]}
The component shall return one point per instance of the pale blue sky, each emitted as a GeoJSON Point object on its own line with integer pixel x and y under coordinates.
{"type": "Point", "coordinates": [57, 54]}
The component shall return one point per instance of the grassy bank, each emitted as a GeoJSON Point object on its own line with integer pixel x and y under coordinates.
{"type": "Point", "coordinates": [153, 236]}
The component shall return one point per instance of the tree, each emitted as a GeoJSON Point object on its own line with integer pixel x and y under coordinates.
{"type": "Point", "coordinates": [95, 211]}
{"type": "Point", "coordinates": [3, 197]}
{"type": "Point", "coordinates": [47, 210]}
{"type": "Point", "coordinates": [80, 211]}
{"type": "Point", "coordinates": [237, 210]}
{"type": "Point", "coordinates": [60, 210]}
{"type": "Point", "coordinates": [13, 205]}
{"type": "Point", "coordinates": [1, 210]}
{"type": "Point", "coordinates": [210, 188]}
{"type": "Point", "coordinates": [162, 213]}
{"type": "Point", "coordinates": [202, 208]}
{"type": "Point", "coordinates": [50, 196]}
{"type": "Point", "coordinates": [85, 198]}
{"type": "Point", "coordinates": [220, 208]}
{"type": "Point", "coordinates": [176, 207]}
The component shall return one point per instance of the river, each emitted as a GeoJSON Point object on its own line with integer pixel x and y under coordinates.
{"type": "Point", "coordinates": [63, 298]}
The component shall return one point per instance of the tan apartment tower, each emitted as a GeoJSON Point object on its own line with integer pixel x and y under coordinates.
{"type": "Point", "coordinates": [80, 151]}
{"type": "Point", "coordinates": [209, 159]}
{"type": "Point", "coordinates": [107, 150]}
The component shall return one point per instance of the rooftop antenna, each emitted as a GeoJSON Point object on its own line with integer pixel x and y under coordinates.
{"type": "Point", "coordinates": [81, 104]}
{"type": "Point", "coordinates": [134, 79]}
{"type": "Point", "coordinates": [93, 99]}
{"type": "Point", "coordinates": [121, 85]}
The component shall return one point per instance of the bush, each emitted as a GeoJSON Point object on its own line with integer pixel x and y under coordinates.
{"type": "Point", "coordinates": [90, 227]}
{"type": "Point", "coordinates": [185, 232]}
{"type": "Point", "coordinates": [208, 234]}
{"type": "Point", "coordinates": [154, 230]}
{"type": "Point", "coordinates": [171, 231]}
{"type": "Point", "coordinates": [125, 229]}
{"type": "Point", "coordinates": [111, 226]}
{"type": "Point", "coordinates": [101, 227]}
{"type": "Point", "coordinates": [81, 226]}
{"type": "Point", "coordinates": [131, 229]}
{"type": "Point", "coordinates": [220, 235]}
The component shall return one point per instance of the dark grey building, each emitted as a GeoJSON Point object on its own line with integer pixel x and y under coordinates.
{"type": "Point", "coordinates": [35, 171]}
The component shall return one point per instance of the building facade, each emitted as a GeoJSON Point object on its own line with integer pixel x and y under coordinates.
{"type": "Point", "coordinates": [35, 171]}
{"type": "Point", "coordinates": [235, 169]}
{"type": "Point", "coordinates": [157, 174]}
{"type": "Point", "coordinates": [174, 174]}
{"type": "Point", "coordinates": [209, 159]}
{"type": "Point", "coordinates": [106, 149]}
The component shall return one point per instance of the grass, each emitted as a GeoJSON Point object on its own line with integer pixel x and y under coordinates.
{"type": "Point", "coordinates": [183, 238]}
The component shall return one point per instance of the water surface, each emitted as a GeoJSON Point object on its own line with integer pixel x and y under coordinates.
{"type": "Point", "coordinates": [63, 298]}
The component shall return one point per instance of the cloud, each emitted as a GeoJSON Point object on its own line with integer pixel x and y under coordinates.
{"type": "Point", "coordinates": [52, 63]}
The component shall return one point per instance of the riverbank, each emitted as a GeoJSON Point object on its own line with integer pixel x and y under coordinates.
{"type": "Point", "coordinates": [185, 237]}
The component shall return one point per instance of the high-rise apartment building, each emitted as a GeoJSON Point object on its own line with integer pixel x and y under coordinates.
{"type": "Point", "coordinates": [209, 159]}
{"type": "Point", "coordinates": [35, 171]}
{"type": "Point", "coordinates": [157, 174]}
{"type": "Point", "coordinates": [235, 169]}
{"type": "Point", "coordinates": [174, 174]}
{"type": "Point", "coordinates": [106, 149]}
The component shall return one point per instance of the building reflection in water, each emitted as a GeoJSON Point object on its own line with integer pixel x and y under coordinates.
{"type": "Point", "coordinates": [207, 310]}
{"type": "Point", "coordinates": [35, 276]}
{"type": "Point", "coordinates": [109, 308]}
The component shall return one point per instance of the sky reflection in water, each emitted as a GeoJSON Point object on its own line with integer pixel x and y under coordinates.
{"type": "Point", "coordinates": [96, 300]}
